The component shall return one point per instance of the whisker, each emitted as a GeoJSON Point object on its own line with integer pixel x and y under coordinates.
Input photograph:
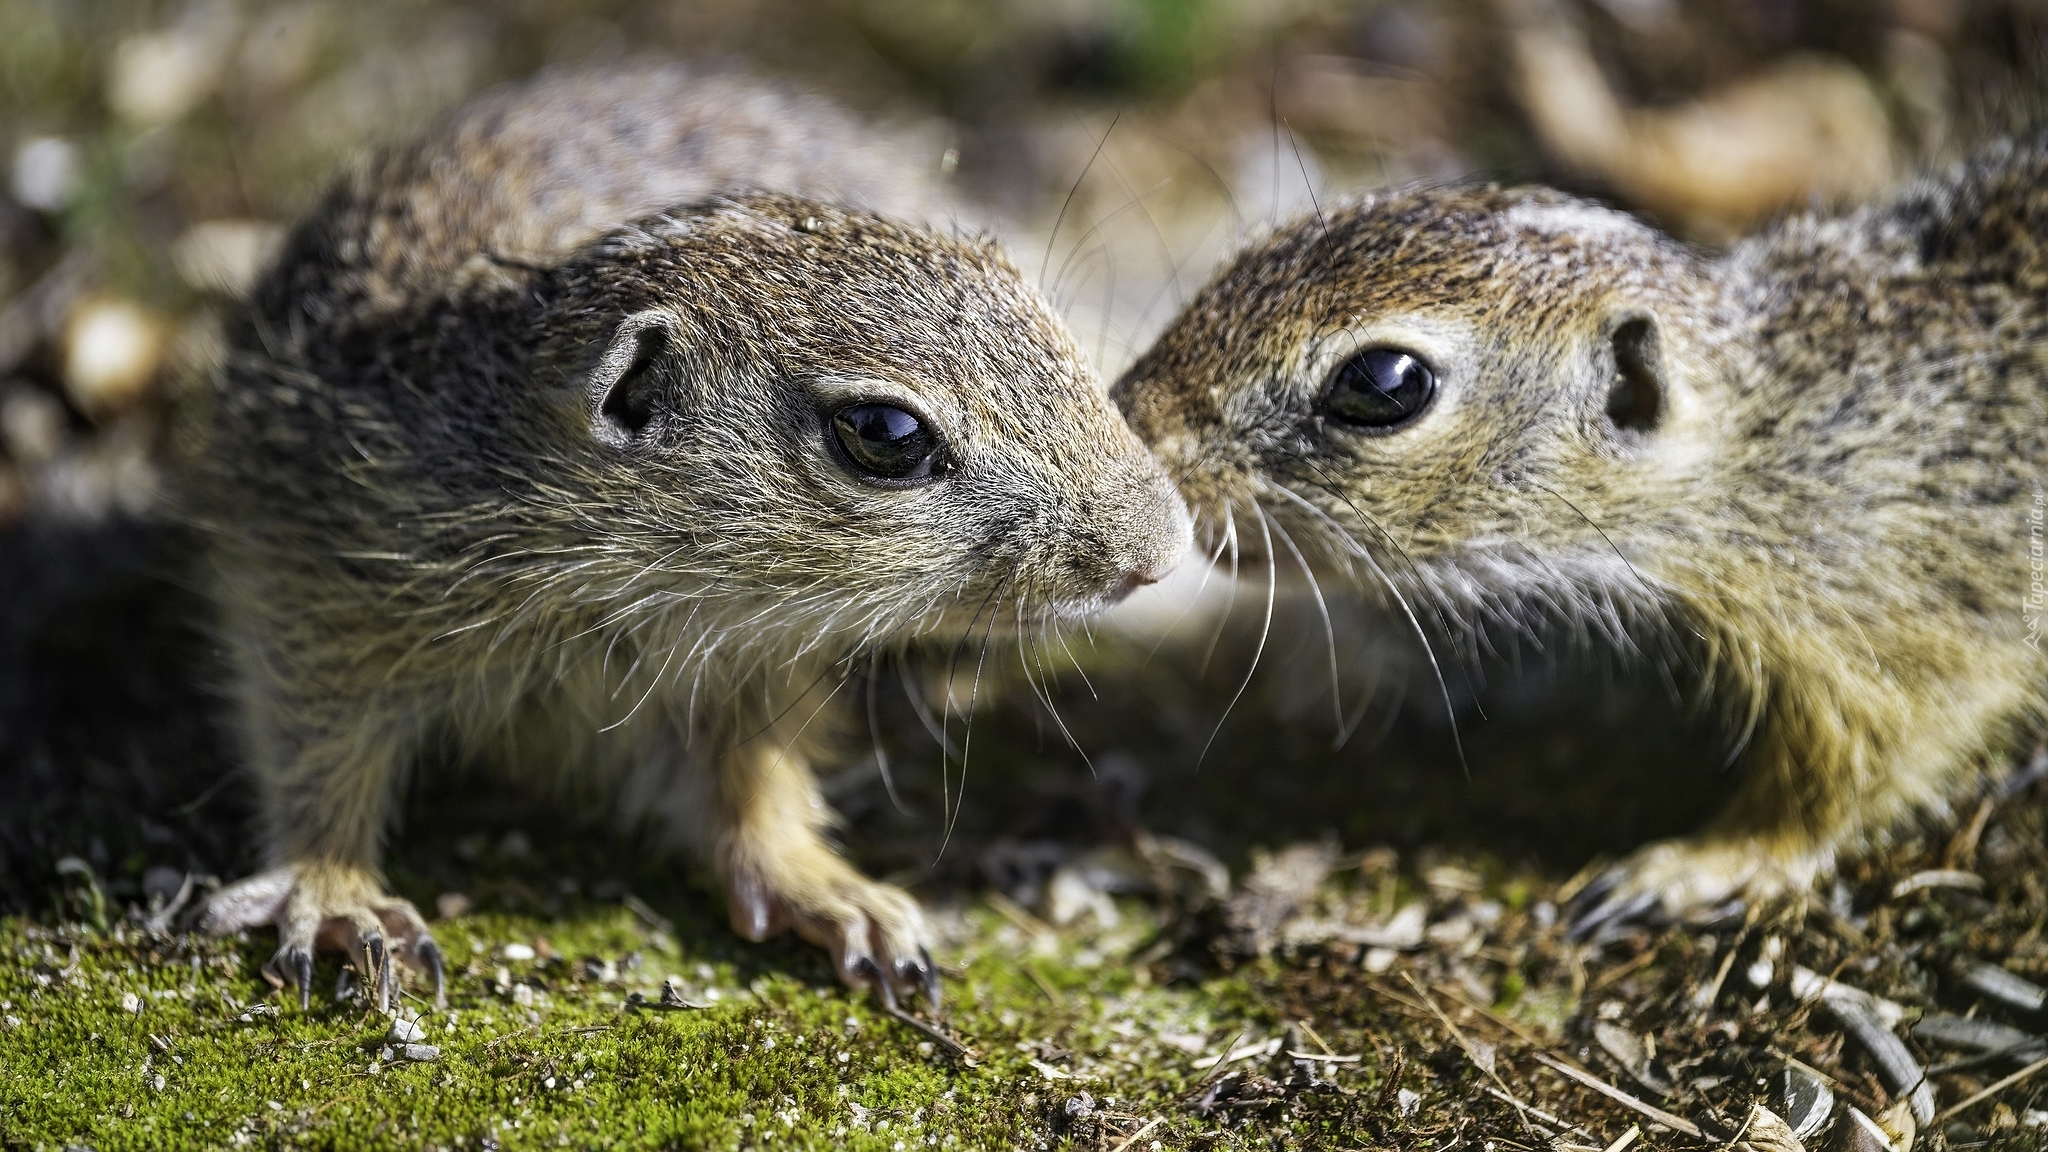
{"type": "Point", "coordinates": [1323, 609]}
{"type": "Point", "coordinates": [1591, 523]}
{"type": "Point", "coordinates": [875, 735]}
{"type": "Point", "coordinates": [1330, 486]}
{"type": "Point", "coordinates": [1069, 201]}
{"type": "Point", "coordinates": [652, 684]}
{"type": "Point", "coordinates": [1295, 142]}
{"type": "Point", "coordinates": [1351, 725]}
{"type": "Point", "coordinates": [1229, 194]}
{"type": "Point", "coordinates": [1265, 629]}
{"type": "Point", "coordinates": [786, 709]}
{"type": "Point", "coordinates": [1076, 662]}
{"type": "Point", "coordinates": [1137, 201]}
{"type": "Point", "coordinates": [1194, 598]}
{"type": "Point", "coordinates": [1045, 695]}
{"type": "Point", "coordinates": [1407, 610]}
{"type": "Point", "coordinates": [973, 701]}
{"type": "Point", "coordinates": [784, 746]}
{"type": "Point", "coordinates": [1228, 544]}
{"type": "Point", "coordinates": [947, 810]}
{"type": "Point", "coordinates": [923, 709]}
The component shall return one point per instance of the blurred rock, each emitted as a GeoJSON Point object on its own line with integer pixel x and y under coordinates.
{"type": "Point", "coordinates": [32, 423]}
{"type": "Point", "coordinates": [1806, 127]}
{"type": "Point", "coordinates": [157, 77]}
{"type": "Point", "coordinates": [112, 347]}
{"type": "Point", "coordinates": [1071, 896]}
{"type": "Point", "coordinates": [225, 256]}
{"type": "Point", "coordinates": [45, 172]}
{"type": "Point", "coordinates": [1634, 1055]}
{"type": "Point", "coordinates": [1768, 1132]}
{"type": "Point", "coordinates": [1279, 885]}
{"type": "Point", "coordinates": [111, 474]}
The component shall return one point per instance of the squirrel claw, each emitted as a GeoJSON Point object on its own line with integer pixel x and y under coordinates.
{"type": "Point", "coordinates": [884, 987]}
{"type": "Point", "coordinates": [1695, 882]}
{"type": "Point", "coordinates": [875, 933]}
{"type": "Point", "coordinates": [1607, 906]}
{"type": "Point", "coordinates": [867, 968]}
{"type": "Point", "coordinates": [376, 971]}
{"type": "Point", "coordinates": [927, 974]}
{"type": "Point", "coordinates": [331, 909]}
{"type": "Point", "coordinates": [430, 955]}
{"type": "Point", "coordinates": [292, 965]}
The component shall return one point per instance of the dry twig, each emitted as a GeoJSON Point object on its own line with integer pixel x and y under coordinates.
{"type": "Point", "coordinates": [1669, 1120]}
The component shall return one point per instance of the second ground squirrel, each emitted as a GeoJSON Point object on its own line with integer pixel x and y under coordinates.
{"type": "Point", "coordinates": [1814, 468]}
{"type": "Point", "coordinates": [588, 434]}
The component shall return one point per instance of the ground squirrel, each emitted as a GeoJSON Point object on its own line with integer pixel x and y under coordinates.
{"type": "Point", "coordinates": [1812, 467]}
{"type": "Point", "coordinates": [588, 435]}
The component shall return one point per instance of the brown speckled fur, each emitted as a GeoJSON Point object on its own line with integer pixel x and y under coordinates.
{"type": "Point", "coordinates": [429, 536]}
{"type": "Point", "coordinates": [1833, 502]}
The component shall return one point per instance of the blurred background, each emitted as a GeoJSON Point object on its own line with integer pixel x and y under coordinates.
{"type": "Point", "coordinates": [153, 152]}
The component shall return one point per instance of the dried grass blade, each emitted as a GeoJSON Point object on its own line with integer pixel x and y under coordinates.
{"type": "Point", "coordinates": [1669, 1120]}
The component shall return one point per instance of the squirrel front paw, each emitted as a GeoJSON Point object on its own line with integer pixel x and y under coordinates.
{"type": "Point", "coordinates": [1691, 880]}
{"type": "Point", "coordinates": [876, 933]}
{"type": "Point", "coordinates": [333, 908]}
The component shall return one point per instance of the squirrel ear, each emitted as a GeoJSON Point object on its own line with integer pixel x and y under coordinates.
{"type": "Point", "coordinates": [1635, 400]}
{"type": "Point", "coordinates": [626, 384]}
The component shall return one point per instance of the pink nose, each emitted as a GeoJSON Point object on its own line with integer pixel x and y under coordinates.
{"type": "Point", "coordinates": [1133, 580]}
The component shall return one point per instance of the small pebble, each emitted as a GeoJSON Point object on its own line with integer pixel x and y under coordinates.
{"type": "Point", "coordinates": [157, 78]}
{"type": "Point", "coordinates": [111, 351]}
{"type": "Point", "coordinates": [225, 256]}
{"type": "Point", "coordinates": [1809, 1102]}
{"type": "Point", "coordinates": [517, 952]}
{"type": "Point", "coordinates": [405, 1031]}
{"type": "Point", "coordinates": [420, 1052]}
{"type": "Point", "coordinates": [130, 1002]}
{"type": "Point", "coordinates": [1759, 974]}
{"type": "Point", "coordinates": [45, 173]}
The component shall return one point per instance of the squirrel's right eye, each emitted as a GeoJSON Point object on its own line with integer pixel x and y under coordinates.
{"type": "Point", "coordinates": [1379, 388]}
{"type": "Point", "coordinates": [886, 444]}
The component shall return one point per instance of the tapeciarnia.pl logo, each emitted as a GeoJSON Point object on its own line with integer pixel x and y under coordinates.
{"type": "Point", "coordinates": [2035, 605]}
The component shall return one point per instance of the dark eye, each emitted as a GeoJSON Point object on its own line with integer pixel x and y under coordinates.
{"type": "Point", "coordinates": [886, 443]}
{"type": "Point", "coordinates": [1379, 388]}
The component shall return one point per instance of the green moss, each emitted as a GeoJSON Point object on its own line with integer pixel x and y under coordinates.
{"type": "Point", "coordinates": [128, 1040]}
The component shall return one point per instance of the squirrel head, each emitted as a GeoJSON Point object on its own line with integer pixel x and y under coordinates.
{"type": "Point", "coordinates": [863, 424]}
{"type": "Point", "coordinates": [1441, 372]}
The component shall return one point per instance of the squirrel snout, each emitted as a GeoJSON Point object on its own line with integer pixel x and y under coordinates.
{"type": "Point", "coordinates": [1165, 541]}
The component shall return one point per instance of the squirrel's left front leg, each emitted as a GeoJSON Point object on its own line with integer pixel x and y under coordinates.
{"type": "Point", "coordinates": [1827, 764]}
{"type": "Point", "coordinates": [780, 873]}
